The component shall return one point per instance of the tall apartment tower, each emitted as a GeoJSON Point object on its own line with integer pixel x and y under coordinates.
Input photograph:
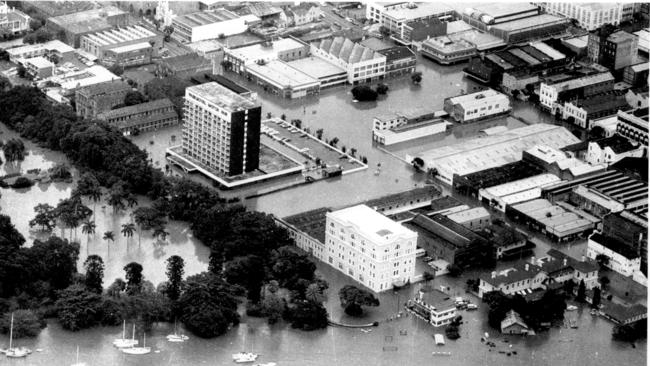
{"type": "Point", "coordinates": [221, 129]}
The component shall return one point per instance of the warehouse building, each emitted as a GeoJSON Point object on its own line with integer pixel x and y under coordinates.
{"type": "Point", "coordinates": [470, 184]}
{"type": "Point", "coordinates": [210, 25]}
{"type": "Point", "coordinates": [98, 43]}
{"type": "Point", "coordinates": [583, 112]}
{"type": "Point", "coordinates": [277, 77]}
{"type": "Point", "coordinates": [500, 196]}
{"type": "Point", "coordinates": [285, 49]}
{"type": "Point", "coordinates": [492, 151]}
{"type": "Point", "coordinates": [557, 162]}
{"type": "Point", "coordinates": [362, 64]}
{"type": "Point", "coordinates": [56, 48]}
{"type": "Point", "coordinates": [75, 25]}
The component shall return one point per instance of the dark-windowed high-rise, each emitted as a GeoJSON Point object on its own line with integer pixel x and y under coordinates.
{"type": "Point", "coordinates": [221, 129]}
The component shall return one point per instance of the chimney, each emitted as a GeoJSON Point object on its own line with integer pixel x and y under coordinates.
{"type": "Point", "coordinates": [564, 261]}
{"type": "Point", "coordinates": [494, 274]}
{"type": "Point", "coordinates": [532, 260]}
{"type": "Point", "coordinates": [582, 259]}
{"type": "Point", "coordinates": [526, 267]}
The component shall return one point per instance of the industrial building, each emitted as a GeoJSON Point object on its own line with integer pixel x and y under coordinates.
{"type": "Point", "coordinates": [407, 125]}
{"type": "Point", "coordinates": [560, 221]}
{"type": "Point", "coordinates": [475, 219]}
{"type": "Point", "coordinates": [204, 25]}
{"type": "Point", "coordinates": [492, 151]}
{"type": "Point", "coordinates": [97, 43]}
{"type": "Point", "coordinates": [75, 25]}
{"type": "Point", "coordinates": [142, 117]}
{"type": "Point", "coordinates": [277, 77]}
{"type": "Point", "coordinates": [583, 112]}
{"type": "Point", "coordinates": [470, 184]}
{"type": "Point", "coordinates": [503, 195]}
{"type": "Point", "coordinates": [308, 230]}
{"type": "Point", "coordinates": [328, 74]}
{"type": "Point", "coordinates": [476, 106]}
{"type": "Point", "coordinates": [38, 67]}
{"type": "Point", "coordinates": [183, 66]}
{"type": "Point", "coordinates": [232, 146]}
{"type": "Point", "coordinates": [634, 125]}
{"type": "Point", "coordinates": [558, 163]}
{"type": "Point", "coordinates": [370, 248]}
{"type": "Point", "coordinates": [285, 49]}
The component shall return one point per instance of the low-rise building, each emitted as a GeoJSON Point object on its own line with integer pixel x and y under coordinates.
{"type": "Point", "coordinates": [622, 314]}
{"type": "Point", "coordinates": [183, 66]}
{"type": "Point", "coordinates": [56, 48]}
{"type": "Point", "coordinates": [370, 248]}
{"type": "Point", "coordinates": [500, 196]}
{"type": "Point", "coordinates": [98, 98]}
{"type": "Point", "coordinates": [637, 97]}
{"type": "Point", "coordinates": [561, 221]}
{"type": "Point", "coordinates": [434, 306]}
{"type": "Point", "coordinates": [72, 81]}
{"type": "Point", "coordinates": [621, 257]}
{"type": "Point", "coordinates": [281, 79]}
{"type": "Point", "coordinates": [612, 48]}
{"type": "Point", "coordinates": [634, 125]}
{"type": "Point", "coordinates": [553, 95]}
{"type": "Point", "coordinates": [328, 74]}
{"type": "Point", "coordinates": [612, 149]}
{"type": "Point", "coordinates": [209, 25]}
{"type": "Point", "coordinates": [362, 64]}
{"type": "Point", "coordinates": [308, 231]}
{"type": "Point", "coordinates": [420, 30]}
{"type": "Point", "coordinates": [514, 324]}
{"type": "Point", "coordinates": [591, 16]}
{"type": "Point", "coordinates": [301, 14]}
{"type": "Point", "coordinates": [75, 25]}
{"type": "Point", "coordinates": [98, 43]}
{"type": "Point", "coordinates": [410, 132]}
{"type": "Point", "coordinates": [484, 104]}
{"type": "Point", "coordinates": [583, 112]}
{"type": "Point", "coordinates": [460, 46]}
{"type": "Point", "coordinates": [509, 242]}
{"type": "Point", "coordinates": [558, 162]}
{"type": "Point", "coordinates": [637, 75]}
{"type": "Point", "coordinates": [470, 184]}
{"type": "Point", "coordinates": [130, 55]}
{"type": "Point", "coordinates": [400, 60]}
{"type": "Point", "coordinates": [520, 277]}
{"type": "Point", "coordinates": [142, 117]}
{"type": "Point", "coordinates": [12, 20]}
{"type": "Point", "coordinates": [475, 219]}
{"type": "Point", "coordinates": [285, 49]}
{"type": "Point", "coordinates": [394, 16]}
{"type": "Point", "coordinates": [644, 40]}
{"type": "Point", "coordinates": [38, 67]}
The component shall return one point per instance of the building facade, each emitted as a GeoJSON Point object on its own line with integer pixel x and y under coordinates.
{"type": "Point", "coordinates": [142, 117]}
{"type": "Point", "coordinates": [98, 43]}
{"type": "Point", "coordinates": [12, 20]}
{"type": "Point", "coordinates": [612, 149]}
{"type": "Point", "coordinates": [210, 25]}
{"type": "Point", "coordinates": [98, 98]}
{"type": "Point", "coordinates": [591, 16]}
{"type": "Point", "coordinates": [434, 306]}
{"type": "Point", "coordinates": [632, 126]}
{"type": "Point", "coordinates": [363, 65]}
{"type": "Point", "coordinates": [370, 248]}
{"type": "Point", "coordinates": [553, 95]}
{"type": "Point", "coordinates": [480, 105]}
{"type": "Point", "coordinates": [620, 258]}
{"type": "Point", "coordinates": [221, 129]}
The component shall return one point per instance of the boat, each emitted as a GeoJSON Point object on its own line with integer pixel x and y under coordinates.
{"type": "Point", "coordinates": [123, 342]}
{"type": "Point", "coordinates": [593, 312]}
{"type": "Point", "coordinates": [471, 306]}
{"type": "Point", "coordinates": [266, 364]}
{"type": "Point", "coordinates": [571, 307]}
{"type": "Point", "coordinates": [18, 352]}
{"type": "Point", "coordinates": [244, 357]}
{"type": "Point", "coordinates": [177, 337]}
{"type": "Point", "coordinates": [441, 353]}
{"type": "Point", "coordinates": [138, 350]}
{"type": "Point", "coordinates": [440, 340]}
{"type": "Point", "coordinates": [77, 363]}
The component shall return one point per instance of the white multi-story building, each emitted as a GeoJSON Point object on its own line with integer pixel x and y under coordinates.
{"type": "Point", "coordinates": [221, 129]}
{"type": "Point", "coordinates": [621, 257]}
{"type": "Point", "coordinates": [370, 248]}
{"type": "Point", "coordinates": [553, 95]}
{"type": "Point", "coordinates": [362, 64]}
{"type": "Point", "coordinates": [591, 16]}
{"type": "Point", "coordinates": [210, 25]}
{"type": "Point", "coordinates": [484, 104]}
{"type": "Point", "coordinates": [612, 149]}
{"type": "Point", "coordinates": [394, 16]}
{"type": "Point", "coordinates": [12, 20]}
{"type": "Point", "coordinates": [434, 306]}
{"type": "Point", "coordinates": [633, 125]}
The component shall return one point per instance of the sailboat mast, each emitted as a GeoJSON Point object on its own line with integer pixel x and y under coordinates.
{"type": "Point", "coordinates": [11, 331]}
{"type": "Point", "coordinates": [124, 329]}
{"type": "Point", "coordinates": [133, 336]}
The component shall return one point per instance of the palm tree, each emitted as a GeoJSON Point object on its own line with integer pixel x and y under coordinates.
{"type": "Point", "coordinates": [88, 228]}
{"type": "Point", "coordinates": [315, 294]}
{"type": "Point", "coordinates": [128, 230]}
{"type": "Point", "coordinates": [131, 200]}
{"type": "Point", "coordinates": [160, 233]}
{"type": "Point", "coordinates": [94, 195]}
{"type": "Point", "coordinates": [109, 236]}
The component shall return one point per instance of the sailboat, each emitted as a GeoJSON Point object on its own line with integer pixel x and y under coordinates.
{"type": "Point", "coordinates": [123, 342]}
{"type": "Point", "coordinates": [77, 363]}
{"type": "Point", "coordinates": [15, 352]}
{"type": "Point", "coordinates": [244, 357]}
{"type": "Point", "coordinates": [138, 350]}
{"type": "Point", "coordinates": [177, 337]}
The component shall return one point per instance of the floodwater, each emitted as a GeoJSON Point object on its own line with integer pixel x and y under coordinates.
{"type": "Point", "coordinates": [333, 111]}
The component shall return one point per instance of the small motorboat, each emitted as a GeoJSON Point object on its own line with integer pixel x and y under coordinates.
{"type": "Point", "coordinates": [244, 357]}
{"type": "Point", "coordinates": [571, 307]}
{"type": "Point", "coordinates": [440, 340]}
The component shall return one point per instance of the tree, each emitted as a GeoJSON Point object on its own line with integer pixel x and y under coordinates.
{"type": "Point", "coordinates": [60, 172]}
{"type": "Point", "coordinates": [5, 84]}
{"type": "Point", "coordinates": [209, 305]}
{"type": "Point", "coordinates": [596, 133]}
{"type": "Point", "coordinates": [167, 31]}
{"type": "Point", "coordinates": [116, 196]}
{"type": "Point", "coordinates": [53, 260]}
{"type": "Point", "coordinates": [384, 31]}
{"type": "Point", "coordinates": [116, 288]}
{"type": "Point", "coordinates": [451, 331]}
{"type": "Point", "coordinates": [14, 150]}
{"type": "Point", "coordinates": [248, 272]}
{"type": "Point", "coordinates": [78, 308]}
{"type": "Point", "coordinates": [127, 230]}
{"type": "Point", "coordinates": [148, 218]}
{"type": "Point", "coordinates": [175, 271]}
{"type": "Point", "coordinates": [603, 260]}
{"type": "Point", "coordinates": [94, 279]}
{"type": "Point", "coordinates": [88, 186]}
{"type": "Point", "coordinates": [108, 235]}
{"type": "Point", "coordinates": [88, 228]}
{"type": "Point", "coordinates": [319, 133]}
{"type": "Point", "coordinates": [381, 89]}
{"type": "Point", "coordinates": [27, 323]}
{"type": "Point", "coordinates": [364, 93]}
{"type": "Point", "coordinates": [21, 71]}
{"type": "Point", "coordinates": [45, 217]}
{"type": "Point", "coordinates": [72, 212]}
{"type": "Point", "coordinates": [307, 315]}
{"type": "Point", "coordinates": [134, 98]}
{"type": "Point", "coordinates": [595, 299]}
{"type": "Point", "coordinates": [160, 233]}
{"type": "Point", "coordinates": [580, 297]}
{"type": "Point", "coordinates": [416, 77]}
{"type": "Point", "coordinates": [631, 332]}
{"type": "Point", "coordinates": [428, 277]}
{"type": "Point", "coordinates": [133, 278]}
{"type": "Point", "coordinates": [315, 292]}
{"type": "Point", "coordinates": [353, 298]}
{"type": "Point", "coordinates": [604, 281]}
{"type": "Point", "coordinates": [116, 69]}
{"type": "Point", "coordinates": [454, 270]}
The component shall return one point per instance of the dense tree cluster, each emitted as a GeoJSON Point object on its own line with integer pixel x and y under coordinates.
{"type": "Point", "coordinates": [353, 298]}
{"type": "Point", "coordinates": [364, 93]}
{"type": "Point", "coordinates": [548, 308]}
{"type": "Point", "coordinates": [248, 250]}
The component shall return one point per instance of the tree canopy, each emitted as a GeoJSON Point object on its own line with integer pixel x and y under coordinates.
{"type": "Point", "coordinates": [353, 298]}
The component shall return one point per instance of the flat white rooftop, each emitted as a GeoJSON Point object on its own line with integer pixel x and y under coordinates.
{"type": "Point", "coordinates": [131, 47]}
{"type": "Point", "coordinates": [217, 94]}
{"type": "Point", "coordinates": [39, 62]}
{"type": "Point", "coordinates": [54, 45]}
{"type": "Point", "coordinates": [371, 223]}
{"type": "Point", "coordinates": [420, 10]}
{"type": "Point", "coordinates": [521, 185]}
{"type": "Point", "coordinates": [471, 98]}
{"type": "Point", "coordinates": [262, 52]}
{"type": "Point", "coordinates": [282, 75]}
{"type": "Point", "coordinates": [316, 67]}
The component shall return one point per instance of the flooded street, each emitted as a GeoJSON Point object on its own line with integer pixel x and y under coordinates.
{"type": "Point", "coordinates": [338, 116]}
